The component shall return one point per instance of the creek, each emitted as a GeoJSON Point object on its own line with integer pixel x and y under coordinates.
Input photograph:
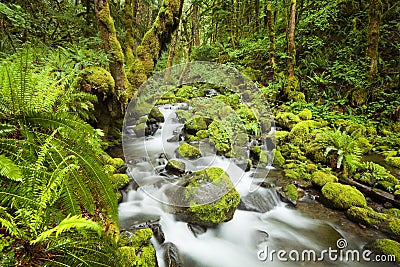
{"type": "Point", "coordinates": [269, 223]}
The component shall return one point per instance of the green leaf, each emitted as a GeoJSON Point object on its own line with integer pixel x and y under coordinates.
{"type": "Point", "coordinates": [9, 169]}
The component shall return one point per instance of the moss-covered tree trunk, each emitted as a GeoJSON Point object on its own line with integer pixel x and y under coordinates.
{"type": "Point", "coordinates": [130, 8]}
{"type": "Point", "coordinates": [271, 33]}
{"type": "Point", "coordinates": [291, 41]}
{"type": "Point", "coordinates": [373, 38]}
{"type": "Point", "coordinates": [111, 43]}
{"type": "Point", "coordinates": [155, 41]}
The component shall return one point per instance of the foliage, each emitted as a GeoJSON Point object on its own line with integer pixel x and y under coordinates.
{"type": "Point", "coordinates": [50, 166]}
{"type": "Point", "coordinates": [343, 148]}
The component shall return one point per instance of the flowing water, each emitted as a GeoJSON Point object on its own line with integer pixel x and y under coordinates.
{"type": "Point", "coordinates": [250, 235]}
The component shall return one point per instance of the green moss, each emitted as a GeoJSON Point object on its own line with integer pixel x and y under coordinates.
{"type": "Point", "coordinates": [128, 256]}
{"type": "Point", "coordinates": [281, 136]}
{"type": "Point", "coordinates": [286, 119]}
{"type": "Point", "coordinates": [183, 115]}
{"type": "Point", "coordinates": [176, 166]}
{"type": "Point", "coordinates": [393, 161]}
{"type": "Point", "coordinates": [188, 151]}
{"type": "Point", "coordinates": [195, 124]}
{"type": "Point", "coordinates": [305, 114]}
{"type": "Point", "coordinates": [364, 145]}
{"type": "Point", "coordinates": [366, 216]}
{"type": "Point", "coordinates": [300, 131]}
{"type": "Point", "coordinates": [279, 160]}
{"type": "Point", "coordinates": [189, 92]}
{"type": "Point", "coordinates": [292, 174]}
{"type": "Point", "coordinates": [109, 169]}
{"type": "Point", "coordinates": [320, 178]}
{"type": "Point", "coordinates": [156, 115]}
{"type": "Point", "coordinates": [220, 210]}
{"type": "Point", "coordinates": [393, 212]}
{"type": "Point", "coordinates": [148, 256]}
{"type": "Point", "coordinates": [343, 196]}
{"type": "Point", "coordinates": [219, 137]}
{"type": "Point", "coordinates": [202, 134]}
{"type": "Point", "coordinates": [310, 167]}
{"type": "Point", "coordinates": [141, 237]}
{"type": "Point", "coordinates": [116, 162]}
{"type": "Point", "coordinates": [387, 247]}
{"type": "Point", "coordinates": [99, 79]}
{"type": "Point", "coordinates": [291, 192]}
{"type": "Point", "coordinates": [396, 194]}
{"type": "Point", "coordinates": [120, 180]}
{"type": "Point", "coordinates": [394, 227]}
{"type": "Point", "coordinates": [140, 129]}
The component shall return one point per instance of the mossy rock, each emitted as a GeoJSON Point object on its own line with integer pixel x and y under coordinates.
{"type": "Point", "coordinates": [305, 114]}
{"type": "Point", "coordinates": [366, 216]}
{"type": "Point", "coordinates": [116, 162]}
{"type": "Point", "coordinates": [183, 115]}
{"type": "Point", "coordinates": [300, 131]}
{"type": "Point", "coordinates": [387, 247]}
{"type": "Point", "coordinates": [140, 251]}
{"type": "Point", "coordinates": [202, 191]}
{"type": "Point", "coordinates": [188, 92]}
{"type": "Point", "coordinates": [140, 129]}
{"type": "Point", "coordinates": [195, 124]}
{"type": "Point", "coordinates": [320, 178]}
{"type": "Point", "coordinates": [393, 161]}
{"type": "Point", "coordinates": [219, 137]}
{"type": "Point", "coordinates": [156, 115]}
{"type": "Point", "coordinates": [286, 120]}
{"type": "Point", "coordinates": [176, 167]}
{"type": "Point", "coordinates": [281, 136]}
{"type": "Point", "coordinates": [279, 160]}
{"type": "Point", "coordinates": [393, 228]}
{"type": "Point", "coordinates": [341, 196]}
{"type": "Point", "coordinates": [99, 79]}
{"type": "Point", "coordinates": [120, 181]}
{"type": "Point", "coordinates": [291, 192]}
{"type": "Point", "coordinates": [292, 174]}
{"type": "Point", "coordinates": [202, 134]}
{"type": "Point", "coordinates": [188, 151]}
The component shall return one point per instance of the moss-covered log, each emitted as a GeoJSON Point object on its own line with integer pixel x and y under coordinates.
{"type": "Point", "coordinates": [155, 41]}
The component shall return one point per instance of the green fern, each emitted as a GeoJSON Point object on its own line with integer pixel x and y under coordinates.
{"type": "Point", "coordinates": [77, 222]}
{"type": "Point", "coordinates": [9, 169]}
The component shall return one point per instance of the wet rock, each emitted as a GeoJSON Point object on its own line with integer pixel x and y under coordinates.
{"type": "Point", "coordinates": [175, 138]}
{"type": "Point", "coordinates": [195, 124]}
{"type": "Point", "coordinates": [320, 178]}
{"type": "Point", "coordinates": [156, 115]}
{"type": "Point", "coordinates": [258, 201]}
{"type": "Point", "coordinates": [188, 151]}
{"type": "Point", "coordinates": [175, 167]}
{"type": "Point", "coordinates": [261, 237]}
{"type": "Point", "coordinates": [171, 255]}
{"type": "Point", "coordinates": [341, 196]}
{"type": "Point", "coordinates": [196, 229]}
{"type": "Point", "coordinates": [288, 194]}
{"type": "Point", "coordinates": [207, 197]}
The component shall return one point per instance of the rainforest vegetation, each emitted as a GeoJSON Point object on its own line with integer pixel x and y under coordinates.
{"type": "Point", "coordinates": [330, 71]}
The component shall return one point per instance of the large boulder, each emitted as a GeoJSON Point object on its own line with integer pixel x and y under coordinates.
{"type": "Point", "coordinates": [208, 197]}
{"type": "Point", "coordinates": [341, 196]}
{"type": "Point", "coordinates": [320, 178]}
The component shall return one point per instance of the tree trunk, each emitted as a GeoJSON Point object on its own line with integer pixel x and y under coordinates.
{"type": "Point", "coordinates": [155, 41]}
{"type": "Point", "coordinates": [130, 8]}
{"type": "Point", "coordinates": [373, 38]}
{"type": "Point", "coordinates": [111, 43]}
{"type": "Point", "coordinates": [291, 42]}
{"type": "Point", "coordinates": [171, 55]}
{"type": "Point", "coordinates": [271, 32]}
{"type": "Point", "coordinates": [195, 25]}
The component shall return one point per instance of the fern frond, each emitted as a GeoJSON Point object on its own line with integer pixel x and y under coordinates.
{"type": "Point", "coordinates": [9, 169]}
{"type": "Point", "coordinates": [7, 221]}
{"type": "Point", "coordinates": [75, 222]}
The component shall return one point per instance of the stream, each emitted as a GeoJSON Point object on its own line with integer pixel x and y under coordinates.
{"type": "Point", "coordinates": [270, 224]}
